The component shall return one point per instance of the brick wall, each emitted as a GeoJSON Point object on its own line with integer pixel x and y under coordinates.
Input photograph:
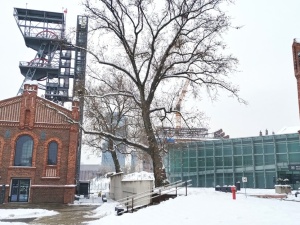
{"type": "Point", "coordinates": [39, 119]}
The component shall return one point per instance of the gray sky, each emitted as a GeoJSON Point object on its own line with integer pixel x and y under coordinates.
{"type": "Point", "coordinates": [263, 47]}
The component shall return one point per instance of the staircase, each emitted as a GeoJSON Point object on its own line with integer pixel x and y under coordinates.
{"type": "Point", "coordinates": [155, 196]}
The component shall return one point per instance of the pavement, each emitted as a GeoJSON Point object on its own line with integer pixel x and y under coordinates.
{"type": "Point", "coordinates": [72, 214]}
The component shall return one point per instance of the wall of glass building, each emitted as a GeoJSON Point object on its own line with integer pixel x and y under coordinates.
{"type": "Point", "coordinates": [261, 159]}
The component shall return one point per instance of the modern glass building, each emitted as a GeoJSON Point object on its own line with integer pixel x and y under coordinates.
{"type": "Point", "coordinates": [262, 160]}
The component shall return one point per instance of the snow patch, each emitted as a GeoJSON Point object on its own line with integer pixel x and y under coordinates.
{"type": "Point", "coordinates": [25, 213]}
{"type": "Point", "coordinates": [138, 176]}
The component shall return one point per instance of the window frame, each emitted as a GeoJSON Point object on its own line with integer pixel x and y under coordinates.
{"type": "Point", "coordinates": [22, 156]}
{"type": "Point", "coordinates": [48, 153]}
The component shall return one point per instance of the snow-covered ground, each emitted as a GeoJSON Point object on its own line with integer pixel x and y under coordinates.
{"type": "Point", "coordinates": [206, 206]}
{"type": "Point", "coordinates": [201, 206]}
{"type": "Point", "coordinates": [24, 213]}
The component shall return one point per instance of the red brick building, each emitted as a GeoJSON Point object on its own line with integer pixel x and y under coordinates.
{"type": "Point", "coordinates": [38, 149]}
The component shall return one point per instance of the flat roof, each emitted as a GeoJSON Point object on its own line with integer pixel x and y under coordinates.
{"type": "Point", "coordinates": [39, 16]}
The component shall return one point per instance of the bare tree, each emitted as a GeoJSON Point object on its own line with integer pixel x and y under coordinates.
{"type": "Point", "coordinates": [112, 114]}
{"type": "Point", "coordinates": [155, 45]}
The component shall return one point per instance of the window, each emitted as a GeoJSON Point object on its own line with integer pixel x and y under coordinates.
{"type": "Point", "coordinates": [52, 153]}
{"type": "Point", "coordinates": [23, 154]}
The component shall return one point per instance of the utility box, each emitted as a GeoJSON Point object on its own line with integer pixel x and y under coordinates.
{"type": "Point", "coordinates": [283, 189]}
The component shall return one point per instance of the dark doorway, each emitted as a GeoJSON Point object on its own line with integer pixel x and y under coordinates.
{"type": "Point", "coordinates": [19, 190]}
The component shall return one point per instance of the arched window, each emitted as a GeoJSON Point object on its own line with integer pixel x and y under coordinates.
{"type": "Point", "coordinates": [23, 154]}
{"type": "Point", "coordinates": [52, 153]}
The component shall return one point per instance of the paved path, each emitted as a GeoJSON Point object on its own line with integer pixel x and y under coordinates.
{"type": "Point", "coordinates": [68, 214]}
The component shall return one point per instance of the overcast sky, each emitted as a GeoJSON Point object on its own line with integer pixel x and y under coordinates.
{"type": "Point", "coordinates": [263, 47]}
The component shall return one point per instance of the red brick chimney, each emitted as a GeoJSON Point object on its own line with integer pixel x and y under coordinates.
{"type": "Point", "coordinates": [28, 104]}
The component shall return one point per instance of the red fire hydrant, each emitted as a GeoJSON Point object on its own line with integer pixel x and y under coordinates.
{"type": "Point", "coordinates": [233, 191]}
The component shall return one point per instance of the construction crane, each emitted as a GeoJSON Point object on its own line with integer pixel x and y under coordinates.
{"type": "Point", "coordinates": [179, 102]}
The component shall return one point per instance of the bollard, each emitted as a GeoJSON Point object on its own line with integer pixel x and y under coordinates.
{"type": "Point", "coordinates": [233, 191]}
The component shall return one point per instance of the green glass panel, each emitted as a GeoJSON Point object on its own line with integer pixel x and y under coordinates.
{"type": "Point", "coordinates": [193, 162]}
{"type": "Point", "coordinates": [177, 163]}
{"type": "Point", "coordinates": [209, 162]}
{"type": "Point", "coordinates": [201, 181]}
{"type": "Point", "coordinates": [177, 169]}
{"type": "Point", "coordinates": [260, 180]}
{"type": "Point", "coordinates": [248, 160]}
{"type": "Point", "coordinates": [269, 159]}
{"type": "Point", "coordinates": [238, 150]}
{"type": "Point", "coordinates": [238, 160]}
{"type": "Point", "coordinates": [201, 162]}
{"type": "Point", "coordinates": [281, 158]}
{"type": "Point", "coordinates": [219, 161]}
{"type": "Point", "coordinates": [259, 160]}
{"type": "Point", "coordinates": [201, 153]}
{"type": "Point", "coordinates": [294, 158]}
{"type": "Point", "coordinates": [185, 154]}
{"type": "Point", "coordinates": [293, 147]}
{"type": "Point", "coordinates": [258, 149]}
{"type": "Point", "coordinates": [177, 154]}
{"type": "Point", "coordinates": [210, 181]}
{"type": "Point", "coordinates": [270, 176]}
{"type": "Point", "coordinates": [193, 169]}
{"type": "Point", "coordinates": [228, 161]}
{"type": "Point", "coordinates": [185, 163]}
{"type": "Point", "coordinates": [247, 149]}
{"type": "Point", "coordinates": [227, 151]}
{"type": "Point", "coordinates": [269, 149]}
{"type": "Point", "coordinates": [228, 179]}
{"type": "Point", "coordinates": [185, 169]}
{"type": "Point", "coordinates": [219, 179]}
{"type": "Point", "coordinates": [192, 153]}
{"type": "Point", "coordinates": [209, 152]}
{"type": "Point", "coordinates": [194, 181]}
{"type": "Point", "coordinates": [281, 147]}
{"type": "Point", "coordinates": [218, 151]}
{"type": "Point", "coordinates": [250, 181]}
{"type": "Point", "coordinates": [209, 144]}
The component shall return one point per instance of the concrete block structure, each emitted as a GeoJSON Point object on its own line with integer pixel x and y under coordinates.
{"type": "Point", "coordinates": [38, 148]}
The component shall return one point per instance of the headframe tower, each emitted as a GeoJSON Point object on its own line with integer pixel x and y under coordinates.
{"type": "Point", "coordinates": [53, 65]}
{"type": "Point", "coordinates": [58, 65]}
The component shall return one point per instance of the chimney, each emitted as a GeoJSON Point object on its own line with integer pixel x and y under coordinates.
{"type": "Point", "coordinates": [30, 87]}
{"type": "Point", "coordinates": [267, 132]}
{"type": "Point", "coordinates": [75, 110]}
{"type": "Point", "coordinates": [28, 104]}
{"type": "Point", "coordinates": [260, 133]}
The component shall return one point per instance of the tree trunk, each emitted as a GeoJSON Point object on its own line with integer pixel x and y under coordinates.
{"type": "Point", "coordinates": [114, 156]}
{"type": "Point", "coordinates": [155, 153]}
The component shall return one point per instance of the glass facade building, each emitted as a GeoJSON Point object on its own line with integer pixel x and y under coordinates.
{"type": "Point", "coordinates": [262, 159]}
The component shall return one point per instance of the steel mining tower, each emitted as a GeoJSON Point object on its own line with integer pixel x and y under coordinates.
{"type": "Point", "coordinates": [59, 72]}
{"type": "Point", "coordinates": [53, 66]}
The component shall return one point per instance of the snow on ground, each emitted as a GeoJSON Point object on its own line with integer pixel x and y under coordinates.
{"type": "Point", "coordinates": [201, 206]}
{"type": "Point", "coordinates": [24, 213]}
{"type": "Point", "coordinates": [207, 206]}
{"type": "Point", "coordinates": [105, 209]}
{"type": "Point", "coordinates": [14, 223]}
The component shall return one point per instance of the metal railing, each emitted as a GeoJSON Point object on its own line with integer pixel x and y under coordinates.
{"type": "Point", "coordinates": [146, 198]}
